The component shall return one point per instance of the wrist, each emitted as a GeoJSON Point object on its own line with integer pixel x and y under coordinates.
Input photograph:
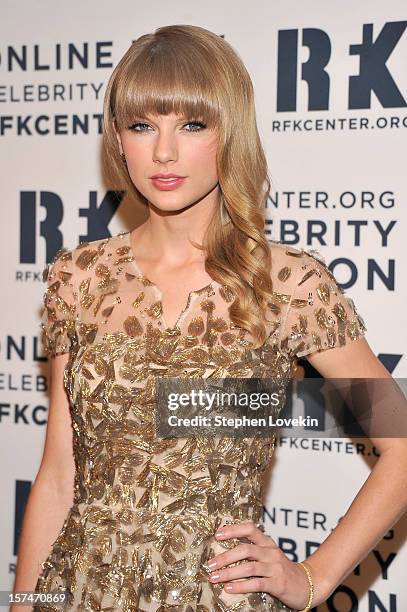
{"type": "Point", "coordinates": [321, 588]}
{"type": "Point", "coordinates": [311, 589]}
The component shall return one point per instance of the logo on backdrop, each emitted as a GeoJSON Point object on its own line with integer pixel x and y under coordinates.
{"type": "Point", "coordinates": [374, 75]}
{"type": "Point", "coordinates": [98, 215]}
{"type": "Point", "coordinates": [61, 56]}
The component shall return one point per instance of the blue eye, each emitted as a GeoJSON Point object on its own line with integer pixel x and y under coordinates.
{"type": "Point", "coordinates": [135, 125]}
{"type": "Point", "coordinates": [199, 124]}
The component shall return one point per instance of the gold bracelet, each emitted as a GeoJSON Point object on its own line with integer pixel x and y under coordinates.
{"type": "Point", "coordinates": [311, 587]}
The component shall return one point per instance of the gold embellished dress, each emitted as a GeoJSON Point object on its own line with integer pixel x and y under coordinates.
{"type": "Point", "coordinates": [141, 528]}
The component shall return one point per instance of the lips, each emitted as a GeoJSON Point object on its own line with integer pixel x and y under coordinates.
{"type": "Point", "coordinates": [167, 182]}
{"type": "Point", "coordinates": [166, 176]}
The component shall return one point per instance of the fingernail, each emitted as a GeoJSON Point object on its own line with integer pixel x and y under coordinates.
{"type": "Point", "coordinates": [212, 564]}
{"type": "Point", "coordinates": [214, 577]}
{"type": "Point", "coordinates": [220, 533]}
{"type": "Point", "coordinates": [228, 587]}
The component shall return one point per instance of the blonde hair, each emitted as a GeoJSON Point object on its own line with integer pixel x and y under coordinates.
{"type": "Point", "coordinates": [188, 70]}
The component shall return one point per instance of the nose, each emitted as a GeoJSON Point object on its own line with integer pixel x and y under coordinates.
{"type": "Point", "coordinates": [165, 147]}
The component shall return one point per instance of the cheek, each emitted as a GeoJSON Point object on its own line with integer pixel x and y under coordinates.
{"type": "Point", "coordinates": [135, 150]}
{"type": "Point", "coordinates": [138, 160]}
{"type": "Point", "coordinates": [202, 159]}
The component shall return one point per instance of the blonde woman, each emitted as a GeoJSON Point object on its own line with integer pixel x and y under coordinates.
{"type": "Point", "coordinates": [196, 290]}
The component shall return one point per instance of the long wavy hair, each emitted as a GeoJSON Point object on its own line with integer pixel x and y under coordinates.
{"type": "Point", "coordinates": [188, 70]}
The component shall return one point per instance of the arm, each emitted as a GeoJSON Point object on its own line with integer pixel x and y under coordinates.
{"type": "Point", "coordinates": [322, 324]}
{"type": "Point", "coordinates": [52, 491]}
{"type": "Point", "coordinates": [380, 502]}
{"type": "Point", "coordinates": [382, 499]}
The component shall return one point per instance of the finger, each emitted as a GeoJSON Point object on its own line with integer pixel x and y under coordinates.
{"type": "Point", "coordinates": [246, 529]}
{"type": "Point", "coordinates": [252, 585]}
{"type": "Point", "coordinates": [241, 552]}
{"type": "Point", "coordinates": [244, 570]}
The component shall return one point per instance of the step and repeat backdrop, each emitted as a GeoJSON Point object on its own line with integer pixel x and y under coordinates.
{"type": "Point", "coordinates": [331, 91]}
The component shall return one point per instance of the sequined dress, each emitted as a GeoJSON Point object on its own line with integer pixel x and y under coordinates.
{"type": "Point", "coordinates": [141, 528]}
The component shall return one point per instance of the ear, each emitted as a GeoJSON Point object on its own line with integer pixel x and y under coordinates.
{"type": "Point", "coordinates": [117, 136]}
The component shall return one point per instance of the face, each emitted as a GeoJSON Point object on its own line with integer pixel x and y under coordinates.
{"type": "Point", "coordinates": [171, 144]}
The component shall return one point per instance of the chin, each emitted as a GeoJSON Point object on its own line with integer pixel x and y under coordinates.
{"type": "Point", "coordinates": [168, 206]}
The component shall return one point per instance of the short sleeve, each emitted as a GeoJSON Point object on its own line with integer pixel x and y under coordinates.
{"type": "Point", "coordinates": [320, 314]}
{"type": "Point", "coordinates": [58, 318]}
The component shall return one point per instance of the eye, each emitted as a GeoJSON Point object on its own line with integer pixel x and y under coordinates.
{"type": "Point", "coordinates": [197, 126]}
{"type": "Point", "coordinates": [135, 125]}
{"type": "Point", "coordinates": [200, 125]}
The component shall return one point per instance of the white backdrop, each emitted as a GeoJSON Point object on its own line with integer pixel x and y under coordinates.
{"type": "Point", "coordinates": [337, 163]}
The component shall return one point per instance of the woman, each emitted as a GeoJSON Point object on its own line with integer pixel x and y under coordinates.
{"type": "Point", "coordinates": [196, 290]}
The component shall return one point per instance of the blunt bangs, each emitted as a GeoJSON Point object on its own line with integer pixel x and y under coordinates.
{"type": "Point", "coordinates": [160, 83]}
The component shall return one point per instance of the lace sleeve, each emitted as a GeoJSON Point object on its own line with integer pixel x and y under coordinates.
{"type": "Point", "coordinates": [320, 315]}
{"type": "Point", "coordinates": [58, 319]}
